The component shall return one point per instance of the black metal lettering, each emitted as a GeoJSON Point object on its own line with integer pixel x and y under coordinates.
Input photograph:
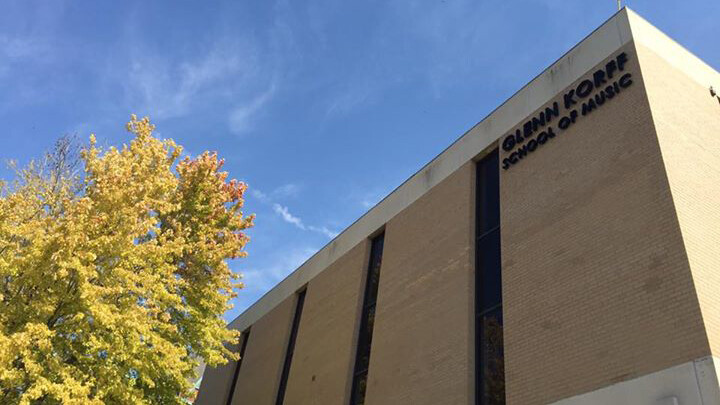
{"type": "Point", "coordinates": [610, 92]}
{"type": "Point", "coordinates": [588, 107]}
{"type": "Point", "coordinates": [538, 122]}
{"type": "Point", "coordinates": [599, 78]}
{"type": "Point", "coordinates": [508, 143]}
{"type": "Point", "coordinates": [532, 145]}
{"type": "Point", "coordinates": [542, 138]}
{"type": "Point", "coordinates": [522, 151]}
{"type": "Point", "coordinates": [611, 68]}
{"type": "Point", "coordinates": [564, 123]}
{"type": "Point", "coordinates": [550, 132]}
{"type": "Point", "coordinates": [626, 80]}
{"type": "Point", "coordinates": [584, 88]}
{"type": "Point", "coordinates": [568, 98]}
{"type": "Point", "coordinates": [549, 112]}
{"type": "Point", "coordinates": [573, 115]}
{"type": "Point", "coordinates": [621, 61]}
{"type": "Point", "coordinates": [527, 129]}
{"type": "Point", "coordinates": [600, 98]}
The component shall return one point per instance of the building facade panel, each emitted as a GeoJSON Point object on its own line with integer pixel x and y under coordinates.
{"type": "Point", "coordinates": [609, 240]}
{"type": "Point", "coordinates": [422, 350]}
{"type": "Point", "coordinates": [687, 119]}
{"type": "Point", "coordinates": [596, 283]}
{"type": "Point", "coordinates": [262, 364]}
{"type": "Point", "coordinates": [217, 382]}
{"type": "Point", "coordinates": [324, 352]}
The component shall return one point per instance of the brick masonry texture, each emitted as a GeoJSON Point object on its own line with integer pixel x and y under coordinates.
{"type": "Point", "coordinates": [422, 347]}
{"type": "Point", "coordinates": [610, 252]}
{"type": "Point", "coordinates": [217, 382]}
{"type": "Point", "coordinates": [325, 348]}
{"type": "Point", "coordinates": [264, 356]}
{"type": "Point", "coordinates": [597, 286]}
{"type": "Point", "coordinates": [687, 120]}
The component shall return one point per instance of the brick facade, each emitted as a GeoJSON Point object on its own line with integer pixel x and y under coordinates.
{"type": "Point", "coordinates": [610, 255]}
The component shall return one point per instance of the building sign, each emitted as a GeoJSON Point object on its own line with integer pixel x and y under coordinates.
{"type": "Point", "coordinates": [590, 94]}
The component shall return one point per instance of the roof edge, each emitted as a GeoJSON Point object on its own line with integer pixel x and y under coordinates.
{"type": "Point", "coordinates": [676, 55]}
{"type": "Point", "coordinates": [593, 49]}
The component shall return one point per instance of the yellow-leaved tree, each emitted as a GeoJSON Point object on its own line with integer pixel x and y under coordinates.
{"type": "Point", "coordinates": [113, 281]}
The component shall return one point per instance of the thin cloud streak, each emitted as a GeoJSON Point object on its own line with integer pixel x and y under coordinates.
{"type": "Point", "coordinates": [284, 191]}
{"type": "Point", "coordinates": [168, 88]}
{"type": "Point", "coordinates": [240, 118]}
{"type": "Point", "coordinates": [289, 190]}
{"type": "Point", "coordinates": [291, 219]}
{"type": "Point", "coordinates": [237, 73]}
{"type": "Point", "coordinates": [287, 216]}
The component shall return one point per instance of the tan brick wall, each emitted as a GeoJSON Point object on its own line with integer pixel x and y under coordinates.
{"type": "Point", "coordinates": [687, 120]}
{"type": "Point", "coordinates": [217, 381]}
{"type": "Point", "coordinates": [596, 283]}
{"type": "Point", "coordinates": [259, 375]}
{"type": "Point", "coordinates": [422, 342]}
{"type": "Point", "coordinates": [325, 346]}
{"type": "Point", "coordinates": [599, 271]}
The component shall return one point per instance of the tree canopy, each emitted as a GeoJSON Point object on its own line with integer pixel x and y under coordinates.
{"type": "Point", "coordinates": [114, 274]}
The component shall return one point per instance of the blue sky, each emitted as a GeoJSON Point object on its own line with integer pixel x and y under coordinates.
{"type": "Point", "coordinates": [323, 107]}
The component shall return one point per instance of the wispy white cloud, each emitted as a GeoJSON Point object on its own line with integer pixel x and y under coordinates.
{"type": "Point", "coordinates": [240, 118]}
{"type": "Point", "coordinates": [168, 88]}
{"type": "Point", "coordinates": [23, 60]}
{"type": "Point", "coordinates": [283, 191]}
{"type": "Point", "coordinates": [352, 97]}
{"type": "Point", "coordinates": [291, 219]}
{"type": "Point", "coordinates": [262, 197]}
{"type": "Point", "coordinates": [443, 44]}
{"type": "Point", "coordinates": [285, 214]}
{"type": "Point", "coordinates": [287, 190]}
{"type": "Point", "coordinates": [234, 71]}
{"type": "Point", "coordinates": [14, 48]}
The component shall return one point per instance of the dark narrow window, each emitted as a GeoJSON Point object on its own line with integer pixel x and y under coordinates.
{"type": "Point", "coordinates": [290, 347]}
{"type": "Point", "coordinates": [489, 354]}
{"type": "Point", "coordinates": [367, 321]}
{"type": "Point", "coordinates": [244, 337]}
